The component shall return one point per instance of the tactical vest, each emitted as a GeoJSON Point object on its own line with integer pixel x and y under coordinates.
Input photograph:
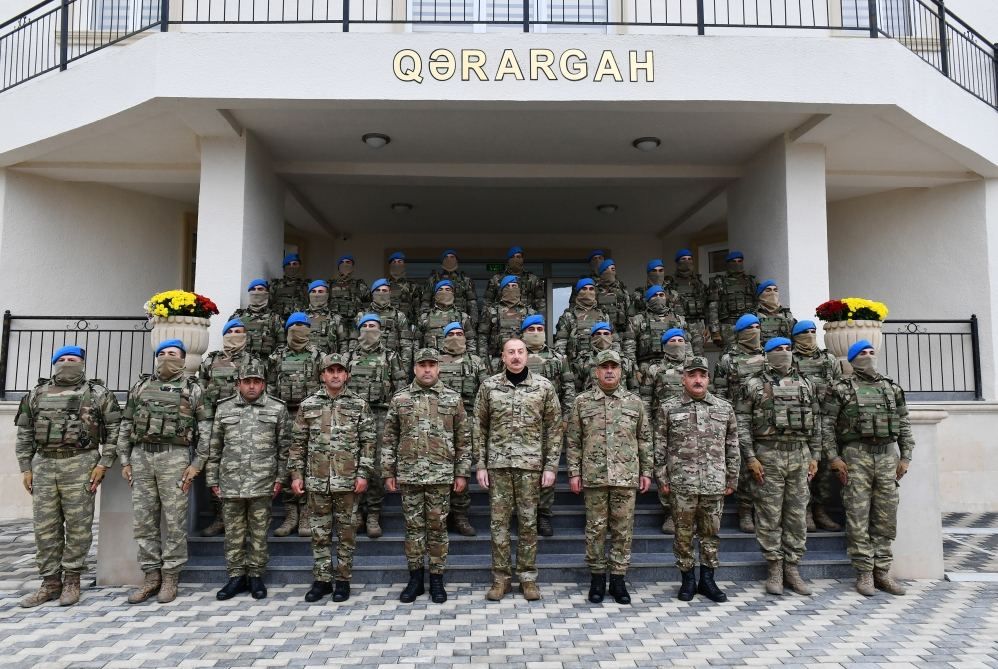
{"type": "Point", "coordinates": [773, 325]}
{"type": "Point", "coordinates": [401, 296]}
{"type": "Point", "coordinates": [650, 344]}
{"type": "Point", "coordinates": [222, 377]}
{"type": "Point", "coordinates": [286, 294]}
{"type": "Point", "coordinates": [259, 333]}
{"type": "Point", "coordinates": [737, 296]}
{"type": "Point", "coordinates": [546, 366]}
{"type": "Point", "coordinates": [342, 297]}
{"type": "Point", "coordinates": [691, 296]}
{"type": "Point", "coordinates": [296, 377]}
{"type": "Point", "coordinates": [817, 370]}
{"type": "Point", "coordinates": [390, 334]}
{"type": "Point", "coordinates": [582, 335]}
{"type": "Point", "coordinates": [506, 322]}
{"type": "Point", "coordinates": [459, 375]}
{"type": "Point", "coordinates": [609, 301]}
{"type": "Point", "coordinates": [785, 412]}
{"type": "Point", "coordinates": [436, 319]}
{"type": "Point", "coordinates": [876, 419]}
{"type": "Point", "coordinates": [322, 328]}
{"type": "Point", "coordinates": [671, 377]}
{"type": "Point", "coordinates": [58, 419]}
{"type": "Point", "coordinates": [743, 367]}
{"type": "Point", "coordinates": [163, 414]}
{"type": "Point", "coordinates": [372, 382]}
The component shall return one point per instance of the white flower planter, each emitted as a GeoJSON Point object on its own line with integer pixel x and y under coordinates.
{"type": "Point", "coordinates": [191, 330]}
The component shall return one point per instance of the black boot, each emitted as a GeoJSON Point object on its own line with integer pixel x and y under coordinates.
{"type": "Point", "coordinates": [318, 590]}
{"type": "Point", "coordinates": [708, 588]}
{"type": "Point", "coordinates": [689, 586]}
{"type": "Point", "coordinates": [544, 526]}
{"type": "Point", "coordinates": [597, 588]}
{"type": "Point", "coordinates": [414, 588]}
{"type": "Point", "coordinates": [341, 592]}
{"type": "Point", "coordinates": [437, 592]}
{"type": "Point", "coordinates": [236, 585]}
{"type": "Point", "coordinates": [256, 587]}
{"type": "Point", "coordinates": [618, 590]}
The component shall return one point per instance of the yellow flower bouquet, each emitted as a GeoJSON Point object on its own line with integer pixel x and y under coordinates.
{"type": "Point", "coordinates": [180, 303]}
{"type": "Point", "coordinates": [852, 309]}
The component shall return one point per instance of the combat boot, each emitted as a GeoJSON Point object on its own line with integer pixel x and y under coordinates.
{"type": "Point", "coordinates": [530, 591]}
{"type": "Point", "coordinates": [217, 527]}
{"type": "Point", "coordinates": [499, 589]}
{"type": "Point", "coordinates": [373, 526]}
{"type": "Point", "coordinates": [544, 528]}
{"type": "Point", "coordinates": [708, 588]}
{"type": "Point", "coordinates": [290, 520]}
{"type": "Point", "coordinates": [50, 589]}
{"type": "Point", "coordinates": [234, 586]}
{"type": "Point", "coordinates": [809, 520]}
{"type": "Point", "coordinates": [882, 581]}
{"type": "Point", "coordinates": [618, 589]}
{"type": "Point", "coordinates": [257, 588]}
{"type": "Point", "coordinates": [689, 586]}
{"type": "Point", "coordinates": [414, 588]}
{"type": "Point", "coordinates": [150, 586]}
{"type": "Point", "coordinates": [823, 520]}
{"type": "Point", "coordinates": [304, 527]}
{"type": "Point", "coordinates": [597, 588]}
{"type": "Point", "coordinates": [437, 592]}
{"type": "Point", "coordinates": [792, 577]}
{"type": "Point", "coordinates": [168, 591]}
{"type": "Point", "coordinates": [864, 583]}
{"type": "Point", "coordinates": [461, 525]}
{"type": "Point", "coordinates": [668, 526]}
{"type": "Point", "coordinates": [341, 591]}
{"type": "Point", "coordinates": [318, 590]}
{"type": "Point", "coordinates": [745, 523]}
{"type": "Point", "coordinates": [774, 582]}
{"type": "Point", "coordinates": [70, 589]}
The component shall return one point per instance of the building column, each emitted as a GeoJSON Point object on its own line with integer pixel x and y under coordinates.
{"type": "Point", "coordinates": [918, 549]}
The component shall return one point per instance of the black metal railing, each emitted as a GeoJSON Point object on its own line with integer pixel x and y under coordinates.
{"type": "Point", "coordinates": [54, 33]}
{"type": "Point", "coordinates": [117, 349]}
{"type": "Point", "coordinates": [933, 359]}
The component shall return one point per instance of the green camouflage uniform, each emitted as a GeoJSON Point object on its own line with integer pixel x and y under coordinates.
{"type": "Point", "coordinates": [60, 432]}
{"type": "Point", "coordinates": [427, 445]}
{"type": "Point", "coordinates": [779, 323]}
{"type": "Point", "coordinates": [533, 291]}
{"type": "Point", "coordinates": [823, 370]}
{"type": "Point", "coordinates": [462, 374]}
{"type": "Point", "coordinates": [862, 420]}
{"type": "Point", "coordinates": [648, 328]}
{"type": "Point", "coordinates": [573, 335]}
{"type": "Point", "coordinates": [696, 454]}
{"type": "Point", "coordinates": [347, 296]}
{"type": "Point", "coordinates": [499, 322]}
{"type": "Point", "coordinates": [693, 297]}
{"type": "Point", "coordinates": [584, 371]}
{"type": "Point", "coordinates": [430, 331]}
{"type": "Point", "coordinates": [730, 296]}
{"type": "Point", "coordinates": [517, 435]}
{"type": "Point", "coordinates": [662, 382]}
{"type": "Point", "coordinates": [616, 302]}
{"type": "Point", "coordinates": [407, 297]}
{"type": "Point", "coordinates": [465, 299]}
{"type": "Point", "coordinates": [609, 444]}
{"type": "Point", "coordinates": [264, 330]}
{"type": "Point", "coordinates": [328, 334]}
{"type": "Point", "coordinates": [779, 424]}
{"type": "Point", "coordinates": [554, 368]}
{"type": "Point", "coordinates": [396, 333]}
{"type": "Point", "coordinates": [732, 371]}
{"type": "Point", "coordinates": [288, 294]}
{"type": "Point", "coordinates": [332, 444]}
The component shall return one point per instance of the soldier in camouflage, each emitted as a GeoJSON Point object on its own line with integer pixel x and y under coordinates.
{"type": "Point", "coordinates": [63, 424]}
{"type": "Point", "coordinates": [331, 459]}
{"type": "Point", "coordinates": [864, 416]}
{"type": "Point", "coordinates": [407, 295]}
{"type": "Point", "coordinates": [164, 417]}
{"type": "Point", "coordinates": [649, 326]}
{"type": "Point", "coordinates": [264, 326]}
{"type": "Point", "coordinates": [427, 453]}
{"type": "Point", "coordinates": [518, 436]}
{"type": "Point", "coordinates": [779, 430]}
{"type": "Point", "coordinates": [729, 296]}
{"type": "Point", "coordinates": [696, 463]}
{"type": "Point", "coordinates": [655, 270]}
{"type": "Point", "coordinates": [289, 293]}
{"type": "Point", "coordinates": [610, 460]}
{"type": "Point", "coordinates": [501, 320]}
{"type": "Point", "coordinates": [396, 328]}
{"type": "Point", "coordinates": [463, 298]}
{"type": "Point", "coordinates": [612, 297]}
{"type": "Point", "coordinates": [573, 336]}
{"type": "Point", "coordinates": [533, 291]}
{"type": "Point", "coordinates": [693, 296]}
{"type": "Point", "coordinates": [584, 367]}
{"type": "Point", "coordinates": [775, 320]}
{"type": "Point", "coordinates": [348, 294]}
{"type": "Point", "coordinates": [462, 372]}
{"type": "Point", "coordinates": [443, 311]}
{"type": "Point", "coordinates": [245, 466]}
{"type": "Point", "coordinates": [328, 333]}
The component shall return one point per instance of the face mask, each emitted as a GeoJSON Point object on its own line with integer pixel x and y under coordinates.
{"type": "Point", "coordinates": [608, 277]}
{"type": "Point", "coordinates": [449, 263]}
{"type": "Point", "coordinates": [865, 364]}
{"type": "Point", "coordinates": [369, 337]}
{"type": "Point", "coordinates": [515, 265]}
{"type": "Point", "coordinates": [735, 266]}
{"type": "Point", "coordinates": [770, 300]}
{"type": "Point", "coordinates": [455, 345]}
{"type": "Point", "coordinates": [676, 350]}
{"type": "Point", "coordinates": [586, 298]}
{"type": "Point", "coordinates": [68, 373]}
{"type": "Point", "coordinates": [318, 300]}
{"type": "Point", "coordinates": [259, 300]}
{"type": "Point", "coordinates": [656, 277]}
{"type": "Point", "coordinates": [233, 343]}
{"type": "Point", "coordinates": [806, 343]}
{"type": "Point", "coordinates": [381, 299]}
{"type": "Point", "coordinates": [444, 298]}
{"type": "Point", "coordinates": [346, 269]}
{"type": "Point", "coordinates": [534, 340]}
{"type": "Point", "coordinates": [298, 337]}
{"type": "Point", "coordinates": [167, 368]}
{"type": "Point", "coordinates": [396, 271]}
{"type": "Point", "coordinates": [749, 338]}
{"type": "Point", "coordinates": [511, 294]}
{"type": "Point", "coordinates": [684, 266]}
{"type": "Point", "coordinates": [601, 341]}
{"type": "Point", "coordinates": [657, 304]}
{"type": "Point", "coordinates": [780, 360]}
{"type": "Point", "coordinates": [292, 271]}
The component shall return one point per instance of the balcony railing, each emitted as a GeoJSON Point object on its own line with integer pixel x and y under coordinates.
{"type": "Point", "coordinates": [54, 33]}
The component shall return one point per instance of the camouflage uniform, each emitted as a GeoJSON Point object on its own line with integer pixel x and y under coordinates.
{"type": "Point", "coordinates": [463, 374]}
{"type": "Point", "coordinates": [609, 444]}
{"type": "Point", "coordinates": [264, 330]}
{"type": "Point", "coordinates": [584, 372]}
{"type": "Point", "coordinates": [518, 434]}
{"type": "Point", "coordinates": [533, 290]}
{"type": "Point", "coordinates": [573, 335]}
{"type": "Point", "coordinates": [348, 295]}
{"type": "Point", "coordinates": [616, 302]}
{"type": "Point", "coordinates": [328, 334]}
{"type": "Point", "coordinates": [332, 444]}
{"type": "Point", "coordinates": [693, 298]}
{"type": "Point", "coordinates": [465, 299]}
{"type": "Point", "coordinates": [662, 382]}
{"type": "Point", "coordinates": [648, 328]}
{"type": "Point", "coordinates": [430, 331]}
{"type": "Point", "coordinates": [823, 370]}
{"type": "Point", "coordinates": [696, 454]}
{"type": "Point", "coordinates": [730, 295]}
{"type": "Point", "coordinates": [396, 333]}
{"type": "Point", "coordinates": [499, 322]}
{"type": "Point", "coordinates": [427, 445]}
{"type": "Point", "coordinates": [779, 323]}
{"type": "Point", "coordinates": [640, 305]}
{"type": "Point", "coordinates": [407, 297]}
{"type": "Point", "coordinates": [731, 373]}
{"type": "Point", "coordinates": [863, 418]}
{"type": "Point", "coordinates": [288, 294]}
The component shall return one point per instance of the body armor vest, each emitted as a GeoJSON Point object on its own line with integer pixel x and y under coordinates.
{"type": "Point", "coordinates": [436, 319]}
{"type": "Point", "coordinates": [342, 298]}
{"type": "Point", "coordinates": [582, 342]}
{"type": "Point", "coordinates": [259, 334]}
{"type": "Point", "coordinates": [390, 335]}
{"type": "Point", "coordinates": [691, 296]}
{"type": "Point", "coordinates": [737, 296]}
{"type": "Point", "coordinates": [459, 375]}
{"type": "Point", "coordinates": [785, 412]}
{"type": "Point", "coordinates": [58, 419]}
{"type": "Point", "coordinates": [817, 370]}
{"type": "Point", "coordinates": [744, 366]}
{"type": "Point", "coordinates": [297, 377]}
{"type": "Point", "coordinates": [222, 379]}
{"type": "Point", "coordinates": [506, 324]}
{"type": "Point", "coordinates": [609, 301]}
{"type": "Point", "coordinates": [671, 377]}
{"type": "Point", "coordinates": [286, 294]}
{"type": "Point", "coordinates": [322, 328]}
{"type": "Point", "coordinates": [163, 412]}
{"type": "Point", "coordinates": [877, 417]}
{"type": "Point", "coordinates": [774, 325]}
{"type": "Point", "coordinates": [546, 366]}
{"type": "Point", "coordinates": [650, 344]}
{"type": "Point", "coordinates": [372, 382]}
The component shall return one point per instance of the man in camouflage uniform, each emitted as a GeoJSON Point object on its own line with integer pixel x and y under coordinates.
{"type": "Point", "coordinates": [775, 320]}
{"type": "Point", "coordinates": [348, 294]}
{"type": "Point", "coordinates": [584, 367]}
{"type": "Point", "coordinates": [730, 295]}
{"type": "Point", "coordinates": [533, 291]}
{"type": "Point", "coordinates": [462, 372]}
{"type": "Point", "coordinates": [655, 270]}
{"type": "Point", "coordinates": [165, 415]}
{"type": "Point", "coordinates": [375, 375]}
{"type": "Point", "coordinates": [328, 333]}
{"type": "Point", "coordinates": [246, 460]}
{"type": "Point", "coordinates": [289, 293]}
{"type": "Point", "coordinates": [779, 430]}
{"type": "Point", "coordinates": [463, 297]}
{"type": "Point", "coordinates": [865, 415]}
{"type": "Point", "coordinates": [609, 453]}
{"type": "Point", "coordinates": [264, 326]}
{"type": "Point", "coordinates": [407, 295]}
{"type": "Point", "coordinates": [293, 375]}
{"type": "Point", "coordinates": [501, 320]}
{"type": "Point", "coordinates": [427, 452]}
{"type": "Point", "coordinates": [396, 328]}
{"type": "Point", "coordinates": [696, 463]}
{"type": "Point", "coordinates": [741, 360]}
{"type": "Point", "coordinates": [692, 295]}
{"type": "Point", "coordinates": [444, 311]}
{"type": "Point", "coordinates": [61, 426]}
{"type": "Point", "coordinates": [518, 434]}
{"type": "Point", "coordinates": [823, 370]}
{"type": "Point", "coordinates": [612, 296]}
{"type": "Point", "coordinates": [573, 336]}
{"type": "Point", "coordinates": [332, 459]}
{"type": "Point", "coordinates": [649, 326]}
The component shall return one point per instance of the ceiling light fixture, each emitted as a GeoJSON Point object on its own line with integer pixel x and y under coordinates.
{"type": "Point", "coordinates": [606, 208]}
{"type": "Point", "coordinates": [401, 207]}
{"type": "Point", "coordinates": [646, 143]}
{"type": "Point", "coordinates": [375, 140]}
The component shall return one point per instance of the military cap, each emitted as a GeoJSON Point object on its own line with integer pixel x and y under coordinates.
{"type": "Point", "coordinates": [450, 327]}
{"type": "Point", "coordinates": [508, 279]}
{"type": "Point", "coordinates": [171, 343]}
{"type": "Point", "coordinates": [745, 321]}
{"type": "Point", "coordinates": [443, 283]}
{"type": "Point", "coordinates": [513, 250]}
{"type": "Point", "coordinates": [69, 350]}
{"type": "Point", "coordinates": [735, 255]}
{"type": "Point", "coordinates": [331, 359]}
{"type": "Point", "coordinates": [583, 282]}
{"type": "Point", "coordinates": [776, 342]}
{"type": "Point", "coordinates": [674, 332]}
{"type": "Point", "coordinates": [652, 291]}
{"type": "Point", "coordinates": [367, 318]}
{"type": "Point", "coordinates": [682, 253]}
{"type": "Point", "coordinates": [378, 284]}
{"type": "Point", "coordinates": [425, 354]}
{"type": "Point", "coordinates": [606, 264]}
{"type": "Point", "coordinates": [234, 323]}
{"type": "Point", "coordinates": [803, 326]}
{"type": "Point", "coordinates": [253, 369]}
{"type": "Point", "coordinates": [764, 285]}
{"type": "Point", "coordinates": [344, 258]}
{"type": "Point", "coordinates": [696, 362]}
{"type": "Point", "coordinates": [600, 325]}
{"type": "Point", "coordinates": [596, 252]}
{"type": "Point", "coordinates": [398, 255]}
{"type": "Point", "coordinates": [297, 318]}
{"type": "Point", "coordinates": [858, 348]}
{"type": "Point", "coordinates": [652, 264]}
{"type": "Point", "coordinates": [609, 355]}
{"type": "Point", "coordinates": [318, 283]}
{"type": "Point", "coordinates": [533, 319]}
{"type": "Point", "coordinates": [290, 258]}
{"type": "Point", "coordinates": [257, 282]}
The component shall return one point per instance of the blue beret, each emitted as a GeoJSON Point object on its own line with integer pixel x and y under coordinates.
{"type": "Point", "coordinates": [774, 342]}
{"type": "Point", "coordinates": [534, 319]}
{"type": "Point", "coordinates": [735, 255]}
{"type": "Point", "coordinates": [318, 283]}
{"type": "Point", "coordinates": [764, 285]}
{"type": "Point", "coordinates": [442, 283]}
{"type": "Point", "coordinates": [171, 343]}
{"type": "Point", "coordinates": [450, 327]}
{"type": "Point", "coordinates": [582, 283]}
{"type": "Point", "coordinates": [513, 250]}
{"type": "Point", "coordinates": [257, 282]}
{"type": "Point", "coordinates": [69, 350]}
{"type": "Point", "coordinates": [745, 321]}
{"type": "Point", "coordinates": [367, 318]}
{"type": "Point", "coordinates": [803, 325]}
{"type": "Point", "coordinates": [291, 257]}
{"type": "Point", "coordinates": [398, 255]}
{"type": "Point", "coordinates": [508, 279]}
{"type": "Point", "coordinates": [339, 261]}
{"type": "Point", "coordinates": [596, 252]}
{"type": "Point", "coordinates": [378, 284]}
{"type": "Point", "coordinates": [601, 325]}
{"type": "Point", "coordinates": [652, 264]}
{"type": "Point", "coordinates": [652, 291]}
{"type": "Point", "coordinates": [605, 264]}
{"type": "Point", "coordinates": [674, 332]}
{"type": "Point", "coordinates": [234, 323]}
{"type": "Point", "coordinates": [858, 348]}
{"type": "Point", "coordinates": [448, 252]}
{"type": "Point", "coordinates": [682, 252]}
{"type": "Point", "coordinates": [297, 318]}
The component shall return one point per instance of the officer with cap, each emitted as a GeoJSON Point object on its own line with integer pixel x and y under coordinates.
{"type": "Point", "coordinates": [775, 320]}
{"type": "Point", "coordinates": [501, 319]}
{"type": "Point", "coordinates": [730, 295]}
{"type": "Point", "coordinates": [406, 295]}
{"type": "Point", "coordinates": [396, 329]}
{"type": "Point", "coordinates": [692, 295]}
{"type": "Point", "coordinates": [584, 366]}
{"type": "Point", "coordinates": [463, 297]}
{"type": "Point", "coordinates": [533, 291]}
{"type": "Point", "coordinates": [348, 294]}
{"type": "Point", "coordinates": [328, 332]}
{"type": "Point", "coordinates": [264, 326]}
{"type": "Point", "coordinates": [444, 311]}
{"type": "Point", "coordinates": [288, 293]}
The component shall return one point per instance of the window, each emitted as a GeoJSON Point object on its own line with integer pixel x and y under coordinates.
{"type": "Point", "coordinates": [124, 16]}
{"type": "Point", "coordinates": [893, 16]}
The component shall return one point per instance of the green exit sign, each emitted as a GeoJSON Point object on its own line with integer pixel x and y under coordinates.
{"type": "Point", "coordinates": [495, 267]}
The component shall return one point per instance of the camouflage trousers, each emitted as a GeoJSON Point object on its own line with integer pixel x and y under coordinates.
{"type": "Point", "coordinates": [372, 501]}
{"type": "Point", "coordinates": [160, 507]}
{"type": "Point", "coordinates": [460, 503]}
{"type": "Point", "coordinates": [322, 510]}
{"type": "Point", "coordinates": [870, 498]}
{"type": "Point", "coordinates": [63, 512]}
{"type": "Point", "coordinates": [781, 502]}
{"type": "Point", "coordinates": [247, 520]}
{"type": "Point", "coordinates": [514, 490]}
{"type": "Point", "coordinates": [823, 486]}
{"type": "Point", "coordinates": [425, 509]}
{"type": "Point", "coordinates": [545, 502]}
{"type": "Point", "coordinates": [666, 502]}
{"type": "Point", "coordinates": [699, 514]}
{"type": "Point", "coordinates": [609, 508]}
{"type": "Point", "coordinates": [745, 492]}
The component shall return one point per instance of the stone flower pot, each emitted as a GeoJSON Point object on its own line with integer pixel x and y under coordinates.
{"type": "Point", "coordinates": [840, 335]}
{"type": "Point", "coordinates": [192, 330]}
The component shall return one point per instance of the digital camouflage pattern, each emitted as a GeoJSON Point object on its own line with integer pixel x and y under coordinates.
{"type": "Point", "coordinates": [264, 330]}
{"type": "Point", "coordinates": [609, 509]}
{"type": "Point", "coordinates": [616, 302]}
{"type": "Point", "coordinates": [465, 298]}
{"type": "Point", "coordinates": [288, 294]}
{"type": "Point", "coordinates": [328, 333]}
{"type": "Point", "coordinates": [728, 297]}
{"type": "Point", "coordinates": [662, 381]}
{"type": "Point", "coordinates": [555, 368]}
{"type": "Point", "coordinates": [779, 323]}
{"type": "Point", "coordinates": [584, 372]}
{"type": "Point", "coordinates": [573, 334]}
{"type": "Point", "coordinates": [293, 375]}
{"type": "Point", "coordinates": [514, 491]}
{"type": "Point", "coordinates": [696, 445]}
{"type": "Point", "coordinates": [396, 333]}
{"type": "Point", "coordinates": [609, 439]}
{"type": "Point", "coordinates": [430, 331]}
{"type": "Point", "coordinates": [218, 374]}
{"type": "Point", "coordinates": [692, 292]}
{"type": "Point", "coordinates": [533, 289]}
{"type": "Point", "coordinates": [734, 368]}
{"type": "Point", "coordinates": [407, 297]}
{"type": "Point", "coordinates": [247, 520]}
{"type": "Point", "coordinates": [696, 515]}
{"type": "Point", "coordinates": [648, 328]}
{"type": "Point", "coordinates": [517, 427]}
{"type": "Point", "coordinates": [348, 295]}
{"type": "Point", "coordinates": [425, 509]}
{"type": "Point", "coordinates": [498, 323]}
{"type": "Point", "coordinates": [823, 370]}
{"type": "Point", "coordinates": [463, 374]}
{"type": "Point", "coordinates": [323, 510]}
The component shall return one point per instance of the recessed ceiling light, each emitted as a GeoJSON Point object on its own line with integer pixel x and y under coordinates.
{"type": "Point", "coordinates": [646, 143]}
{"type": "Point", "coordinates": [401, 207]}
{"type": "Point", "coordinates": [606, 208]}
{"type": "Point", "coordinates": [375, 140]}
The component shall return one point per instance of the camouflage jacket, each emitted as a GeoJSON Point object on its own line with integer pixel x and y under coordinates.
{"type": "Point", "coordinates": [729, 296]}
{"type": "Point", "coordinates": [264, 330]}
{"type": "Point", "coordinates": [407, 297]}
{"type": "Point", "coordinates": [465, 298]}
{"type": "Point", "coordinates": [779, 323]}
{"type": "Point", "coordinates": [584, 371]}
{"type": "Point", "coordinates": [822, 369]}
{"type": "Point", "coordinates": [692, 293]}
{"type": "Point", "coordinates": [648, 328]}
{"type": "Point", "coordinates": [734, 368]}
{"type": "Point", "coordinates": [49, 417]}
{"type": "Point", "coordinates": [640, 305]}
{"type": "Point", "coordinates": [328, 334]}
{"type": "Point", "coordinates": [248, 450]}
{"type": "Point", "coordinates": [616, 302]}
{"type": "Point", "coordinates": [696, 445]}
{"type": "Point", "coordinates": [609, 439]}
{"type": "Point", "coordinates": [500, 322]}
{"type": "Point", "coordinates": [293, 375]}
{"type": "Point", "coordinates": [463, 374]}
{"type": "Point", "coordinates": [217, 375]}
{"type": "Point", "coordinates": [376, 375]}
{"type": "Point", "coordinates": [348, 295]}
{"type": "Point", "coordinates": [427, 439]}
{"type": "Point", "coordinates": [573, 336]}
{"type": "Point", "coordinates": [396, 333]}
{"type": "Point", "coordinates": [517, 427]}
{"type": "Point", "coordinates": [533, 291]}
{"type": "Point", "coordinates": [430, 331]}
{"type": "Point", "coordinates": [333, 442]}
{"type": "Point", "coordinates": [288, 295]}
{"type": "Point", "coordinates": [774, 408]}
{"type": "Point", "coordinates": [163, 412]}
{"type": "Point", "coordinates": [554, 368]}
{"type": "Point", "coordinates": [662, 382]}
{"type": "Point", "coordinates": [869, 411]}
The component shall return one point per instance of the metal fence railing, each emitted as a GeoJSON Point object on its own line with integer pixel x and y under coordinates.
{"type": "Point", "coordinates": [933, 359]}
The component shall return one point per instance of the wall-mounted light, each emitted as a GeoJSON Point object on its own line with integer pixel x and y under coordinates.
{"type": "Point", "coordinates": [646, 143]}
{"type": "Point", "coordinates": [606, 208]}
{"type": "Point", "coordinates": [375, 140]}
{"type": "Point", "coordinates": [401, 207]}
